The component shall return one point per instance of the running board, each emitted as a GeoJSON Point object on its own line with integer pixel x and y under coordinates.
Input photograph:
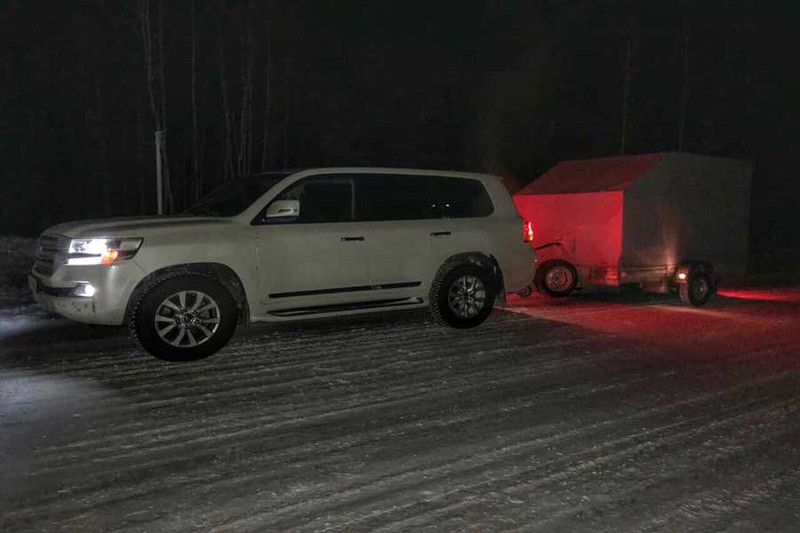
{"type": "Point", "coordinates": [353, 306]}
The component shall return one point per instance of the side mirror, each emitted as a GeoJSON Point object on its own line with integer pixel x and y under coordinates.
{"type": "Point", "coordinates": [280, 210]}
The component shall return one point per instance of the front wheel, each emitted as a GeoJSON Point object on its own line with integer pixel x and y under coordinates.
{"type": "Point", "coordinates": [462, 296]}
{"type": "Point", "coordinates": [697, 290]}
{"type": "Point", "coordinates": [184, 318]}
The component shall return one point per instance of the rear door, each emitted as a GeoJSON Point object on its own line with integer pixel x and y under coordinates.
{"type": "Point", "coordinates": [467, 206]}
{"type": "Point", "coordinates": [407, 236]}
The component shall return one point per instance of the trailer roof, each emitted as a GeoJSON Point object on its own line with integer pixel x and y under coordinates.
{"type": "Point", "coordinates": [593, 175]}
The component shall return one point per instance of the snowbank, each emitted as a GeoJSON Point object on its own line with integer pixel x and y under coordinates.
{"type": "Point", "coordinates": [16, 259]}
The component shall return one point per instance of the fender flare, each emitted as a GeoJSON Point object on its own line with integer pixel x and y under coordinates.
{"type": "Point", "coordinates": [219, 272]}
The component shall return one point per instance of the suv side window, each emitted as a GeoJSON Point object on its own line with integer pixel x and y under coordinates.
{"type": "Point", "coordinates": [462, 198]}
{"type": "Point", "coordinates": [389, 197]}
{"type": "Point", "coordinates": [324, 199]}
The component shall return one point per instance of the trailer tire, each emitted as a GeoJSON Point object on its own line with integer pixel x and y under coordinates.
{"type": "Point", "coordinates": [556, 278]}
{"type": "Point", "coordinates": [697, 289]}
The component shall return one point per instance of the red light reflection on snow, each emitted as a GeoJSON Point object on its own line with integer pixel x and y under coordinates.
{"type": "Point", "coordinates": [740, 319]}
{"type": "Point", "coordinates": [777, 294]}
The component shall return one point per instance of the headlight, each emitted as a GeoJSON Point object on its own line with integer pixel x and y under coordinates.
{"type": "Point", "coordinates": [101, 251]}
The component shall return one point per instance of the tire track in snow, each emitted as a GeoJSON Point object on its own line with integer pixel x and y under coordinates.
{"type": "Point", "coordinates": [145, 483]}
{"type": "Point", "coordinates": [716, 507]}
{"type": "Point", "coordinates": [219, 395]}
{"type": "Point", "coordinates": [643, 442]}
{"type": "Point", "coordinates": [183, 432]}
{"type": "Point", "coordinates": [573, 434]}
{"type": "Point", "coordinates": [270, 417]}
{"type": "Point", "coordinates": [213, 395]}
{"type": "Point", "coordinates": [683, 462]}
{"type": "Point", "coordinates": [348, 497]}
{"type": "Point", "coordinates": [257, 434]}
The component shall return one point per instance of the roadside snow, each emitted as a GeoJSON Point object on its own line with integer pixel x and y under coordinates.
{"type": "Point", "coordinates": [16, 258]}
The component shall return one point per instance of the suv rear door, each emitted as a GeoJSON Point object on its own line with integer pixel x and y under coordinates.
{"type": "Point", "coordinates": [468, 206]}
{"type": "Point", "coordinates": [407, 237]}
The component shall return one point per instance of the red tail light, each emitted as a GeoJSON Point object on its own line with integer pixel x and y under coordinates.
{"type": "Point", "coordinates": [527, 231]}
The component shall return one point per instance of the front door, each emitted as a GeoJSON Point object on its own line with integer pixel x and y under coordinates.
{"type": "Point", "coordinates": [317, 260]}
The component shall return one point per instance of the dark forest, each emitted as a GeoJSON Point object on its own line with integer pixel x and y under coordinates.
{"type": "Point", "coordinates": [501, 86]}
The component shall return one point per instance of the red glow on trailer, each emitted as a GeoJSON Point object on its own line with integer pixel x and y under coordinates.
{"type": "Point", "coordinates": [587, 228]}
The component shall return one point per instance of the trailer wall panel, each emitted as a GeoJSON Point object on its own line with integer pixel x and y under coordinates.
{"type": "Point", "coordinates": [688, 207]}
{"type": "Point", "coordinates": [588, 227]}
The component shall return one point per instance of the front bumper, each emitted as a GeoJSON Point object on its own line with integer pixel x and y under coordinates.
{"type": "Point", "coordinates": [113, 286]}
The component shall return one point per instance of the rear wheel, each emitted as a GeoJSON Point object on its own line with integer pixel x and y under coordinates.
{"type": "Point", "coordinates": [697, 289]}
{"type": "Point", "coordinates": [462, 296]}
{"type": "Point", "coordinates": [556, 278]}
{"type": "Point", "coordinates": [184, 318]}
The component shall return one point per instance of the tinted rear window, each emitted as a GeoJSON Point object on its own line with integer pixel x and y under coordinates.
{"type": "Point", "coordinates": [390, 197]}
{"type": "Point", "coordinates": [462, 198]}
{"type": "Point", "coordinates": [381, 197]}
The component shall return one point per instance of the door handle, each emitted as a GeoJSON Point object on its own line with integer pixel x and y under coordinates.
{"type": "Point", "coordinates": [348, 239]}
{"type": "Point", "coordinates": [440, 234]}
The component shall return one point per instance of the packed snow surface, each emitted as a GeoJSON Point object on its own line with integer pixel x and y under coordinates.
{"type": "Point", "coordinates": [604, 412]}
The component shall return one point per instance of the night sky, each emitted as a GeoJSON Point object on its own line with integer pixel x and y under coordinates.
{"type": "Point", "coordinates": [501, 86]}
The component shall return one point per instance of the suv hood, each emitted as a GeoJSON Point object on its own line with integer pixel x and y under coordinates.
{"type": "Point", "coordinates": [131, 226]}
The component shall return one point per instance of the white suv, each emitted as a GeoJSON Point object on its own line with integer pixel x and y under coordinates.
{"type": "Point", "coordinates": [284, 246]}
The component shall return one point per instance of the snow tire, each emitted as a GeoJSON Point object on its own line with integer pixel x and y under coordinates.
{"type": "Point", "coordinates": [441, 289]}
{"type": "Point", "coordinates": [142, 319]}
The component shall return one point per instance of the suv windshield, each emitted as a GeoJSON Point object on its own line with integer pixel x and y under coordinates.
{"type": "Point", "coordinates": [233, 197]}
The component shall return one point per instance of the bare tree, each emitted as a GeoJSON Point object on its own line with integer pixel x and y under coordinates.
{"type": "Point", "coordinates": [287, 108]}
{"type": "Point", "coordinates": [267, 102]}
{"type": "Point", "coordinates": [197, 185]}
{"type": "Point", "coordinates": [158, 99]}
{"type": "Point", "coordinates": [244, 158]}
{"type": "Point", "coordinates": [630, 66]}
{"type": "Point", "coordinates": [227, 134]}
{"type": "Point", "coordinates": [140, 160]}
{"type": "Point", "coordinates": [686, 80]}
{"type": "Point", "coordinates": [101, 138]}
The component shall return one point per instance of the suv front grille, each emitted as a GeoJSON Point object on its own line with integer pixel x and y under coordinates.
{"type": "Point", "coordinates": [48, 247]}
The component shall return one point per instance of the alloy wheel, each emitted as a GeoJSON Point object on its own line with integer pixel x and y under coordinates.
{"type": "Point", "coordinates": [467, 296]}
{"type": "Point", "coordinates": [187, 319]}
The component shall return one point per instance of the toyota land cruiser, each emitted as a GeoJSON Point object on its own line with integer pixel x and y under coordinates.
{"type": "Point", "coordinates": [285, 246]}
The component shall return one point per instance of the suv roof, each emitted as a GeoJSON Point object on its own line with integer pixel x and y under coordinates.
{"type": "Point", "coordinates": [394, 170]}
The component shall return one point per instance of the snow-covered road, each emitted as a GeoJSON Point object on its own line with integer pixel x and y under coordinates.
{"type": "Point", "coordinates": [605, 412]}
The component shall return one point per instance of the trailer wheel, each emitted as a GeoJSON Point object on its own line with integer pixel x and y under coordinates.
{"type": "Point", "coordinates": [525, 293]}
{"type": "Point", "coordinates": [697, 289]}
{"type": "Point", "coordinates": [556, 278]}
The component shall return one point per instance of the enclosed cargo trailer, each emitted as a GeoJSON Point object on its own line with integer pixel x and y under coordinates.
{"type": "Point", "coordinates": [657, 221]}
